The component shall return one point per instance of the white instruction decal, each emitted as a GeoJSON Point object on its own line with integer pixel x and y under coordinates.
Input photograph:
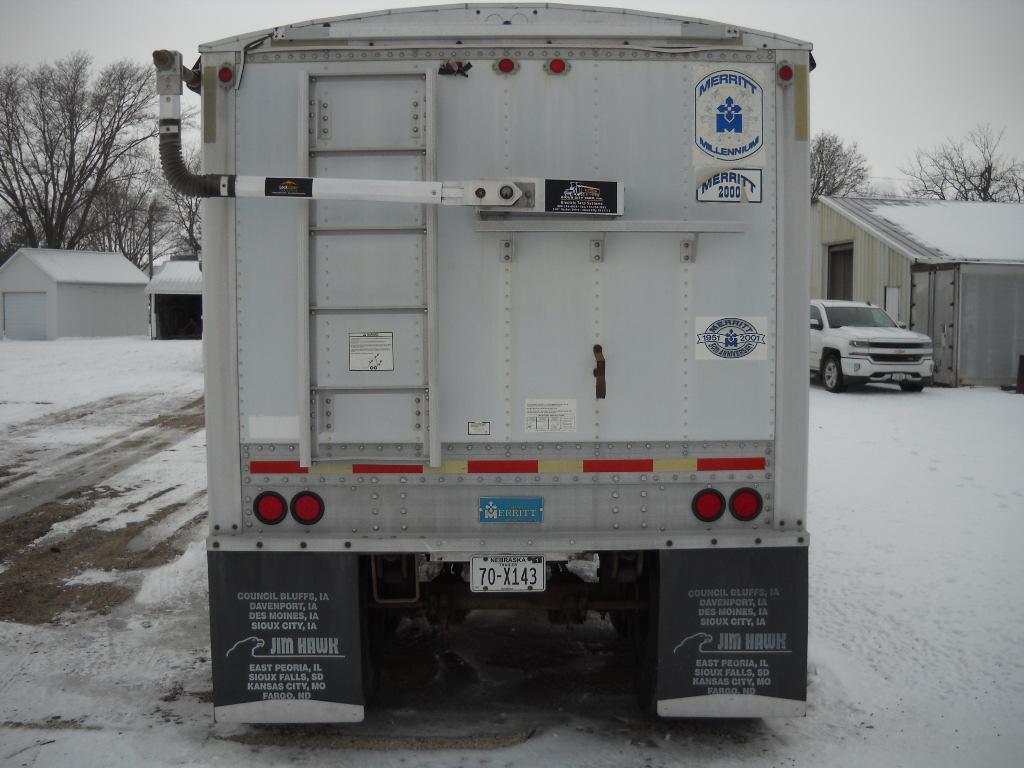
{"type": "Point", "coordinates": [372, 351]}
{"type": "Point", "coordinates": [550, 415]}
{"type": "Point", "coordinates": [731, 338]}
{"type": "Point", "coordinates": [479, 428]}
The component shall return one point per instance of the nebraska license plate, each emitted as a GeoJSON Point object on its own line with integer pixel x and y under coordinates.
{"type": "Point", "coordinates": [507, 573]}
{"type": "Point", "coordinates": [900, 376]}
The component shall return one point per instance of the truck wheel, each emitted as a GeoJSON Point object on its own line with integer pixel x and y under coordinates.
{"type": "Point", "coordinates": [832, 374]}
{"type": "Point", "coordinates": [911, 386]}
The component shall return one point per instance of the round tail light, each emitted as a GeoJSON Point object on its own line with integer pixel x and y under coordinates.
{"type": "Point", "coordinates": [270, 508]}
{"type": "Point", "coordinates": [785, 73]}
{"type": "Point", "coordinates": [708, 505]}
{"type": "Point", "coordinates": [505, 66]}
{"type": "Point", "coordinates": [307, 508]}
{"type": "Point", "coordinates": [746, 504]}
{"type": "Point", "coordinates": [557, 66]}
{"type": "Point", "coordinates": [225, 74]}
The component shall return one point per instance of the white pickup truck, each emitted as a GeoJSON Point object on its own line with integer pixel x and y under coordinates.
{"type": "Point", "coordinates": [857, 343]}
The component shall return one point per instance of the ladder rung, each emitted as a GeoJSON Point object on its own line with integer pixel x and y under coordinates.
{"type": "Point", "coordinates": [414, 230]}
{"type": "Point", "coordinates": [315, 310]}
{"type": "Point", "coordinates": [321, 460]}
{"type": "Point", "coordinates": [370, 390]}
{"type": "Point", "coordinates": [368, 151]}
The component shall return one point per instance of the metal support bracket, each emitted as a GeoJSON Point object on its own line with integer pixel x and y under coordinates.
{"type": "Point", "coordinates": [688, 250]}
{"type": "Point", "coordinates": [506, 247]}
{"type": "Point", "coordinates": [597, 249]}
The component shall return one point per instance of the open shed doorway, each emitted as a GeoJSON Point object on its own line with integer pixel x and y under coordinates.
{"type": "Point", "coordinates": [177, 316]}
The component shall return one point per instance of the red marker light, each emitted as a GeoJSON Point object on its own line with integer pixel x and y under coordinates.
{"type": "Point", "coordinates": [745, 504]}
{"type": "Point", "coordinates": [557, 66]}
{"type": "Point", "coordinates": [506, 66]}
{"type": "Point", "coordinates": [270, 508]}
{"type": "Point", "coordinates": [708, 505]}
{"type": "Point", "coordinates": [307, 508]}
{"type": "Point", "coordinates": [225, 74]}
{"type": "Point", "coordinates": [785, 73]}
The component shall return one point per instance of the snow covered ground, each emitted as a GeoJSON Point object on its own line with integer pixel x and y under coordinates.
{"type": "Point", "coordinates": [917, 625]}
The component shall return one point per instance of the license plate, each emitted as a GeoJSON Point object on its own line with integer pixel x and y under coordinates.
{"type": "Point", "coordinates": [507, 573]}
{"type": "Point", "coordinates": [900, 376]}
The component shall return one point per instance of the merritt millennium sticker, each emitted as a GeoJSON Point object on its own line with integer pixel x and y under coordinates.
{"type": "Point", "coordinates": [731, 338]}
{"type": "Point", "coordinates": [727, 113]}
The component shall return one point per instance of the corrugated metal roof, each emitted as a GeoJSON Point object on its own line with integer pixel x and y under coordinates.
{"type": "Point", "coordinates": [940, 231]}
{"type": "Point", "coordinates": [177, 277]}
{"type": "Point", "coordinates": [510, 21]}
{"type": "Point", "coordinates": [83, 266]}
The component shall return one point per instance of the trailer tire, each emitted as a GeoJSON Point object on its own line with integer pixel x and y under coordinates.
{"type": "Point", "coordinates": [832, 373]}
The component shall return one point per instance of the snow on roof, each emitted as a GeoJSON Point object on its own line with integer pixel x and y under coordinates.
{"type": "Point", "coordinates": [177, 277]}
{"type": "Point", "coordinates": [83, 266]}
{"type": "Point", "coordinates": [941, 230]}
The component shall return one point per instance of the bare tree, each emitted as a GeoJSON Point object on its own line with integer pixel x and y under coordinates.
{"type": "Point", "coordinates": [967, 169]}
{"type": "Point", "coordinates": [838, 169]}
{"type": "Point", "coordinates": [11, 237]}
{"type": "Point", "coordinates": [129, 218]}
{"type": "Point", "coordinates": [65, 142]}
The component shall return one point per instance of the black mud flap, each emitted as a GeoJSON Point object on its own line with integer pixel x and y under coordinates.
{"type": "Point", "coordinates": [285, 636]}
{"type": "Point", "coordinates": [731, 633]}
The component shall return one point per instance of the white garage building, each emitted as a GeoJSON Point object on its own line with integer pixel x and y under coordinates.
{"type": "Point", "coordinates": [176, 299]}
{"type": "Point", "coordinates": [49, 293]}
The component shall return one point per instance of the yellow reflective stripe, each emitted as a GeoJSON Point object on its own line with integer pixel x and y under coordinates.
{"type": "Point", "coordinates": [560, 466]}
{"type": "Point", "coordinates": [802, 97]}
{"type": "Point", "coordinates": [449, 468]}
{"type": "Point", "coordinates": [675, 465]}
{"type": "Point", "coordinates": [331, 469]}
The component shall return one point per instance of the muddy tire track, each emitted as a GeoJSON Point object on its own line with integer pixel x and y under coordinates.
{"type": "Point", "coordinates": [34, 481]}
{"type": "Point", "coordinates": [33, 588]}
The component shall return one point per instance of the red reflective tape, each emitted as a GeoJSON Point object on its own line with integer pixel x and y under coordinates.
{"type": "Point", "coordinates": [502, 466]}
{"type": "Point", "coordinates": [277, 468]}
{"type": "Point", "coordinates": [618, 465]}
{"type": "Point", "coordinates": [725, 465]}
{"type": "Point", "coordinates": [387, 469]}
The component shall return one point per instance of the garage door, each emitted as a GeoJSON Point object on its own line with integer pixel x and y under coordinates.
{"type": "Point", "coordinates": [25, 315]}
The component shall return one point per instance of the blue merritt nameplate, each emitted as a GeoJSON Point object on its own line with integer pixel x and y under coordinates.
{"type": "Point", "coordinates": [511, 509]}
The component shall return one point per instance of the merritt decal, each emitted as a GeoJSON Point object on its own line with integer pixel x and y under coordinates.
{"type": "Point", "coordinates": [515, 509]}
{"type": "Point", "coordinates": [731, 338]}
{"type": "Point", "coordinates": [741, 185]}
{"type": "Point", "coordinates": [728, 107]}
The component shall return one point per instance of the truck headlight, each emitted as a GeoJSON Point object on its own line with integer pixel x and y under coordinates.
{"type": "Point", "coordinates": [858, 343]}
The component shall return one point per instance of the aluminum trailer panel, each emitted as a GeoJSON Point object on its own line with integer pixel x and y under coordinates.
{"type": "Point", "coordinates": [453, 381]}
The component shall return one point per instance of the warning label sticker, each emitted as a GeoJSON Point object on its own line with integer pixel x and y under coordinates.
{"type": "Point", "coordinates": [550, 415]}
{"type": "Point", "coordinates": [479, 428]}
{"type": "Point", "coordinates": [371, 351]}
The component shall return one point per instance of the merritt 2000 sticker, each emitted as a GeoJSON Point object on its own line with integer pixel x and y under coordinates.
{"type": "Point", "coordinates": [736, 185]}
{"type": "Point", "coordinates": [728, 110]}
{"type": "Point", "coordinates": [731, 338]}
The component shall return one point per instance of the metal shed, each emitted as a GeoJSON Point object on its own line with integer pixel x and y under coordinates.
{"type": "Point", "coordinates": [49, 293]}
{"type": "Point", "coordinates": [948, 268]}
{"type": "Point", "coordinates": [176, 300]}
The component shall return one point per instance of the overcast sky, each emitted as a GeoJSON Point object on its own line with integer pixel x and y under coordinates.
{"type": "Point", "coordinates": [894, 75]}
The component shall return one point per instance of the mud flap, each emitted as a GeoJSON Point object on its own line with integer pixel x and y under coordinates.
{"type": "Point", "coordinates": [285, 637]}
{"type": "Point", "coordinates": [732, 633]}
